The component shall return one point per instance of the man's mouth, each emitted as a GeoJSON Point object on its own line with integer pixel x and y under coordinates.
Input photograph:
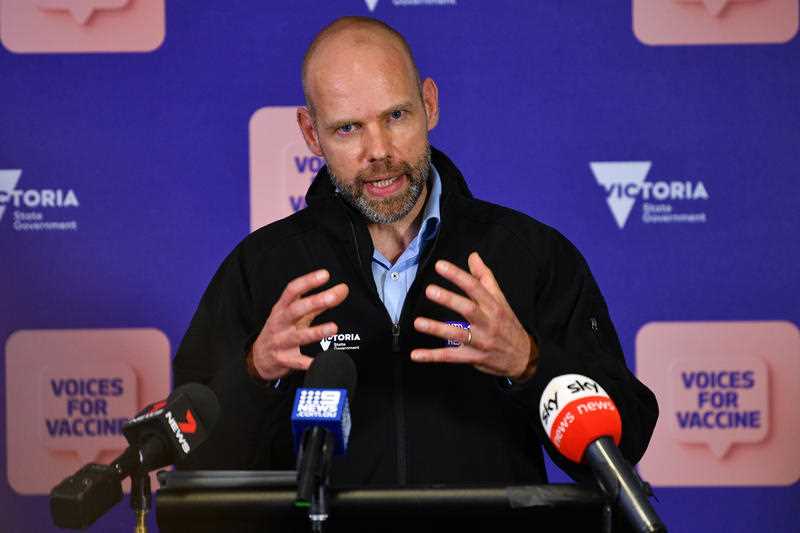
{"type": "Point", "coordinates": [383, 183]}
{"type": "Point", "coordinates": [382, 187]}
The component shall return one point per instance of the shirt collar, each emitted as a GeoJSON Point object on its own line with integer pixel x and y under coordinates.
{"type": "Point", "coordinates": [430, 215]}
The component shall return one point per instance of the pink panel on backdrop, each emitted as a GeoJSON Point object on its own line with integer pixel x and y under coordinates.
{"type": "Point", "coordinates": [728, 397]}
{"type": "Point", "coordinates": [658, 22]}
{"type": "Point", "coordinates": [67, 391]}
{"type": "Point", "coordinates": [281, 166]}
{"type": "Point", "coordinates": [55, 26]}
{"type": "Point", "coordinates": [77, 399]}
{"type": "Point", "coordinates": [719, 401]}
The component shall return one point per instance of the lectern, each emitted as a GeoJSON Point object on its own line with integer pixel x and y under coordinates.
{"type": "Point", "coordinates": [241, 501]}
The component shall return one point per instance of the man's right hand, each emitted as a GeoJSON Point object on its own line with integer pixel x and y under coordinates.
{"type": "Point", "coordinates": [276, 351]}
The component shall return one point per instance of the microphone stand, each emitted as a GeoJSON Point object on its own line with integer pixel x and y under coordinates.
{"type": "Point", "coordinates": [313, 475]}
{"type": "Point", "coordinates": [140, 499]}
{"type": "Point", "coordinates": [318, 512]}
{"type": "Point", "coordinates": [623, 485]}
{"type": "Point", "coordinates": [140, 480]}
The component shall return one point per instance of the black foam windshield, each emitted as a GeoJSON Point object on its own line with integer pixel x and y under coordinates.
{"type": "Point", "coordinates": [332, 370]}
{"type": "Point", "coordinates": [203, 401]}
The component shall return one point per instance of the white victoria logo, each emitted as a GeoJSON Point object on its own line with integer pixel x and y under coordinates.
{"type": "Point", "coordinates": [8, 182]}
{"type": "Point", "coordinates": [342, 341]}
{"type": "Point", "coordinates": [625, 181]}
{"type": "Point", "coordinates": [33, 209]}
{"type": "Point", "coordinates": [621, 180]}
{"type": "Point", "coordinates": [371, 4]}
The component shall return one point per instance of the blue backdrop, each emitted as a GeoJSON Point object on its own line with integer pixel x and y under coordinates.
{"type": "Point", "coordinates": [155, 146]}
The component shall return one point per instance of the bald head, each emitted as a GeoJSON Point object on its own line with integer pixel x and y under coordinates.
{"type": "Point", "coordinates": [369, 116]}
{"type": "Point", "coordinates": [347, 37]}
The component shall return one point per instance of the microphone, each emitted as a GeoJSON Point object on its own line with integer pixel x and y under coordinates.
{"type": "Point", "coordinates": [321, 427]}
{"type": "Point", "coordinates": [158, 435]}
{"type": "Point", "coordinates": [168, 431]}
{"type": "Point", "coordinates": [584, 425]}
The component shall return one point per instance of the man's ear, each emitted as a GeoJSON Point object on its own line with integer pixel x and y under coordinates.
{"type": "Point", "coordinates": [306, 123]}
{"type": "Point", "coordinates": [430, 99]}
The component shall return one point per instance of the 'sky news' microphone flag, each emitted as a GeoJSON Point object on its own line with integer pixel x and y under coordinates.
{"type": "Point", "coordinates": [575, 411]}
{"type": "Point", "coordinates": [585, 426]}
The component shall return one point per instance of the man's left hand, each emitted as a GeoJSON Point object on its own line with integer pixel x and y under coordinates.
{"type": "Point", "coordinates": [496, 343]}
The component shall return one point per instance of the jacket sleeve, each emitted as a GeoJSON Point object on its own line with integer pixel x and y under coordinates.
{"type": "Point", "coordinates": [253, 426]}
{"type": "Point", "coordinates": [570, 322]}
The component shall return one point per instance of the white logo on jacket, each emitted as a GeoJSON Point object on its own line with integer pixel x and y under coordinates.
{"type": "Point", "coordinates": [341, 341]}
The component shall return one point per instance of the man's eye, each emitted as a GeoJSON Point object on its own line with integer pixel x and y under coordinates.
{"type": "Point", "coordinates": [397, 114]}
{"type": "Point", "coordinates": [347, 128]}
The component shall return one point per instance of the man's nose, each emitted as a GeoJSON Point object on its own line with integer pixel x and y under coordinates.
{"type": "Point", "coordinates": [376, 143]}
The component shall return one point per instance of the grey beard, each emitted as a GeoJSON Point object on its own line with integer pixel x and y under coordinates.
{"type": "Point", "coordinates": [378, 212]}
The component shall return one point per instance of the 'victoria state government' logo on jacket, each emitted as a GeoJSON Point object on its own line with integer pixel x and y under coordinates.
{"type": "Point", "coordinates": [341, 341]}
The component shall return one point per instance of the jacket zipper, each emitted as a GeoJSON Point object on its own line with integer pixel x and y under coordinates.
{"type": "Point", "coordinates": [396, 337]}
{"type": "Point", "coordinates": [400, 419]}
{"type": "Point", "coordinates": [402, 461]}
{"type": "Point", "coordinates": [397, 369]}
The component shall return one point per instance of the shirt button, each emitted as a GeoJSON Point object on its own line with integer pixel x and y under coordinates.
{"type": "Point", "coordinates": [395, 276]}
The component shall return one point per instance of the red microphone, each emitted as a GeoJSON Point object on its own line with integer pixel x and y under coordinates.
{"type": "Point", "coordinates": [585, 426]}
{"type": "Point", "coordinates": [575, 412]}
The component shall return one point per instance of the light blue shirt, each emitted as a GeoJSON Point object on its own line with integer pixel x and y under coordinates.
{"type": "Point", "coordinates": [394, 280]}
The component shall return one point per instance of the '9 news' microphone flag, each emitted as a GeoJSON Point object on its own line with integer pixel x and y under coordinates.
{"type": "Point", "coordinates": [321, 427]}
{"type": "Point", "coordinates": [584, 425]}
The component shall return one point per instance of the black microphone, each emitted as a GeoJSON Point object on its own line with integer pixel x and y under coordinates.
{"type": "Point", "coordinates": [321, 427]}
{"type": "Point", "coordinates": [169, 430]}
{"type": "Point", "coordinates": [584, 425]}
{"type": "Point", "coordinates": [158, 435]}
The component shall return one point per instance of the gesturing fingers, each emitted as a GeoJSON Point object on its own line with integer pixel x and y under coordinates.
{"type": "Point", "coordinates": [461, 305]}
{"type": "Point", "coordinates": [292, 338]}
{"type": "Point", "coordinates": [467, 283]}
{"type": "Point", "coordinates": [299, 286]}
{"type": "Point", "coordinates": [310, 306]}
{"type": "Point", "coordinates": [276, 350]}
{"type": "Point", "coordinates": [485, 275]}
{"type": "Point", "coordinates": [290, 360]}
{"type": "Point", "coordinates": [496, 342]}
{"type": "Point", "coordinates": [444, 331]}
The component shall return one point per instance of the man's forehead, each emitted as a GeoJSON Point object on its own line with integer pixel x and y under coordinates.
{"type": "Point", "coordinates": [346, 98]}
{"type": "Point", "coordinates": [360, 74]}
{"type": "Point", "coordinates": [346, 68]}
{"type": "Point", "coordinates": [366, 47]}
{"type": "Point", "coordinates": [356, 34]}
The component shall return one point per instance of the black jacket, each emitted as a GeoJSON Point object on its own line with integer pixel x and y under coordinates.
{"type": "Point", "coordinates": [411, 423]}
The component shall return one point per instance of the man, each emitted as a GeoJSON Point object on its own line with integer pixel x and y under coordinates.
{"type": "Point", "coordinates": [391, 249]}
